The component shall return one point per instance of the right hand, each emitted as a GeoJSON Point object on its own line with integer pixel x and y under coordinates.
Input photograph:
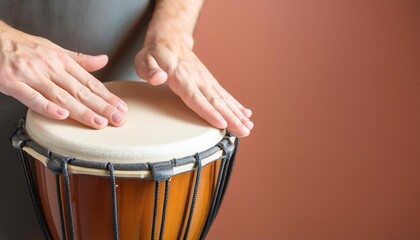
{"type": "Point", "coordinates": [56, 82]}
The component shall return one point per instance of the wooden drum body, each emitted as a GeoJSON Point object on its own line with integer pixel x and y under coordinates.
{"type": "Point", "coordinates": [161, 175]}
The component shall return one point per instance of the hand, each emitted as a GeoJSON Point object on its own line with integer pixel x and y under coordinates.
{"type": "Point", "coordinates": [172, 60]}
{"type": "Point", "coordinates": [56, 82]}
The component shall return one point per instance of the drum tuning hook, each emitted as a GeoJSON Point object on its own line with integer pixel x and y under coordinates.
{"type": "Point", "coordinates": [162, 171]}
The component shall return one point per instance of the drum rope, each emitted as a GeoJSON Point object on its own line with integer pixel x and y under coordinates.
{"type": "Point", "coordinates": [165, 208]}
{"type": "Point", "coordinates": [222, 187]}
{"type": "Point", "coordinates": [155, 211]}
{"type": "Point", "coordinates": [215, 197]}
{"type": "Point", "coordinates": [194, 200]}
{"type": "Point", "coordinates": [68, 196]}
{"type": "Point", "coordinates": [33, 192]}
{"type": "Point", "coordinates": [60, 205]}
{"type": "Point", "coordinates": [222, 184]}
{"type": "Point", "coordinates": [110, 167]}
{"type": "Point", "coordinates": [228, 171]}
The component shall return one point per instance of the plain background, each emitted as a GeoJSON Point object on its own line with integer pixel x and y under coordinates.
{"type": "Point", "coordinates": [335, 90]}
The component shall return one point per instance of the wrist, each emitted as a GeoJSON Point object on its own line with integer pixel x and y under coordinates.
{"type": "Point", "coordinates": [173, 21]}
{"type": "Point", "coordinates": [168, 38]}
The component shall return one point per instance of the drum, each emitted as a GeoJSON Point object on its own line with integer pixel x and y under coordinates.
{"type": "Point", "coordinates": [162, 175]}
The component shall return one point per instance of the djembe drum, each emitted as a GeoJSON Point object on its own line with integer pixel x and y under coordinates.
{"type": "Point", "coordinates": [161, 175]}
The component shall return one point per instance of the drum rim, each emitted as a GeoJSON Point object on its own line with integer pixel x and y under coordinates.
{"type": "Point", "coordinates": [21, 140]}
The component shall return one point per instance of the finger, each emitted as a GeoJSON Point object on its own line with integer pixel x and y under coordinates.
{"type": "Point", "coordinates": [226, 105]}
{"type": "Point", "coordinates": [96, 86]}
{"type": "Point", "coordinates": [227, 98]}
{"type": "Point", "coordinates": [195, 100]}
{"type": "Point", "coordinates": [234, 106]}
{"type": "Point", "coordinates": [235, 125]}
{"type": "Point", "coordinates": [88, 62]}
{"type": "Point", "coordinates": [148, 69]}
{"type": "Point", "coordinates": [89, 99]}
{"type": "Point", "coordinates": [78, 111]}
{"type": "Point", "coordinates": [246, 111]}
{"type": "Point", "coordinates": [37, 102]}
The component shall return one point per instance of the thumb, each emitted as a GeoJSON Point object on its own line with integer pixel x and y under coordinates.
{"type": "Point", "coordinates": [148, 69]}
{"type": "Point", "coordinates": [88, 62]}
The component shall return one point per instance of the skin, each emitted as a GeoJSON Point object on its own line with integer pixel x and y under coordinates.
{"type": "Point", "coordinates": [57, 83]}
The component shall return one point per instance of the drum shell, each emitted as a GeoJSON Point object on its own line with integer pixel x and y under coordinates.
{"type": "Point", "coordinates": [91, 198]}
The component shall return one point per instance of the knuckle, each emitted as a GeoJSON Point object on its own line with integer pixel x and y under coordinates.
{"type": "Point", "coordinates": [47, 107]}
{"type": "Point", "coordinates": [192, 98]}
{"type": "Point", "coordinates": [94, 84]}
{"type": "Point", "coordinates": [215, 101]}
{"type": "Point", "coordinates": [19, 64]}
{"type": "Point", "coordinates": [32, 97]}
{"type": "Point", "coordinates": [111, 98]}
{"type": "Point", "coordinates": [52, 66]}
{"type": "Point", "coordinates": [85, 115]}
{"type": "Point", "coordinates": [83, 94]}
{"type": "Point", "coordinates": [61, 96]}
{"type": "Point", "coordinates": [107, 110]}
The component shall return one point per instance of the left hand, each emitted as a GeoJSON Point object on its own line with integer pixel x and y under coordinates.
{"type": "Point", "coordinates": [172, 60]}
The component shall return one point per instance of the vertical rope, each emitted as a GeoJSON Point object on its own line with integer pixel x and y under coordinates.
{"type": "Point", "coordinates": [165, 208]}
{"type": "Point", "coordinates": [68, 196]}
{"type": "Point", "coordinates": [155, 211]}
{"type": "Point", "coordinates": [30, 181]}
{"type": "Point", "coordinates": [228, 171]}
{"type": "Point", "coordinates": [194, 200]}
{"type": "Point", "coordinates": [110, 167]}
{"type": "Point", "coordinates": [221, 189]}
{"type": "Point", "coordinates": [60, 206]}
{"type": "Point", "coordinates": [224, 177]}
{"type": "Point", "coordinates": [215, 198]}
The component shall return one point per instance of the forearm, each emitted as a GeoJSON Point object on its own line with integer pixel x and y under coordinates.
{"type": "Point", "coordinates": [173, 19]}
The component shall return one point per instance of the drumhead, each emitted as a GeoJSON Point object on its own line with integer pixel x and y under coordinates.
{"type": "Point", "coordinates": [159, 127]}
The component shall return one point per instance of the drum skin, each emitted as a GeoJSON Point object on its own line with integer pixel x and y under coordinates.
{"type": "Point", "coordinates": [92, 204]}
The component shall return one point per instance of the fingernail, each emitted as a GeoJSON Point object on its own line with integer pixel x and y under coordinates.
{"type": "Point", "coordinates": [248, 123]}
{"type": "Point", "coordinates": [122, 107]}
{"type": "Point", "coordinates": [62, 112]}
{"type": "Point", "coordinates": [157, 77]}
{"type": "Point", "coordinates": [99, 120]}
{"type": "Point", "coordinates": [116, 117]}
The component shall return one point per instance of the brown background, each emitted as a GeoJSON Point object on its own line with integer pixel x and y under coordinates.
{"type": "Point", "coordinates": [335, 90]}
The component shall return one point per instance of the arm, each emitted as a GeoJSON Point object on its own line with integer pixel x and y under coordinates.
{"type": "Point", "coordinates": [167, 56]}
{"type": "Point", "coordinates": [56, 82]}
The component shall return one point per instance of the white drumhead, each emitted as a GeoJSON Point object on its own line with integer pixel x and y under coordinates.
{"type": "Point", "coordinates": [159, 127]}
